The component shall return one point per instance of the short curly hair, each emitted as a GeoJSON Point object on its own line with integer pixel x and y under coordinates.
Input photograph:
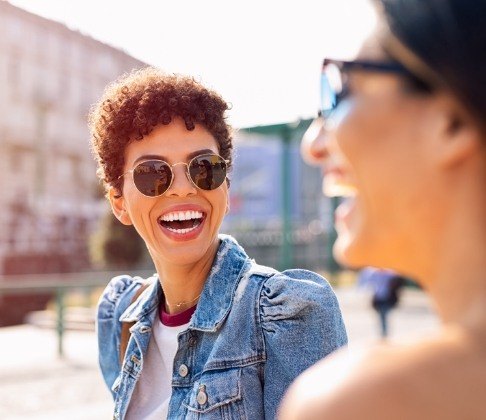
{"type": "Point", "coordinates": [132, 106]}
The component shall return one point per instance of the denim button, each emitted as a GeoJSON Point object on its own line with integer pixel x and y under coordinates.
{"type": "Point", "coordinates": [202, 397]}
{"type": "Point", "coordinates": [192, 341]}
{"type": "Point", "coordinates": [183, 370]}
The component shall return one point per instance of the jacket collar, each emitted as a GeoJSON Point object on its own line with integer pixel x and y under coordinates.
{"type": "Point", "coordinates": [217, 297]}
{"type": "Point", "coordinates": [218, 293]}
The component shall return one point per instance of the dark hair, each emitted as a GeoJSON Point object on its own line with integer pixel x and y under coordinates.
{"type": "Point", "coordinates": [449, 37]}
{"type": "Point", "coordinates": [132, 106]}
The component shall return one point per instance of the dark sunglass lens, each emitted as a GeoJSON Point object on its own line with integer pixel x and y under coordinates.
{"type": "Point", "coordinates": [208, 172]}
{"type": "Point", "coordinates": [152, 178]}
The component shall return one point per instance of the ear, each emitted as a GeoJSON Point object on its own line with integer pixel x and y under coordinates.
{"type": "Point", "coordinates": [459, 137]}
{"type": "Point", "coordinates": [117, 203]}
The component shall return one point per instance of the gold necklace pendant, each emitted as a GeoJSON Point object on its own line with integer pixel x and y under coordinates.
{"type": "Point", "coordinates": [178, 305]}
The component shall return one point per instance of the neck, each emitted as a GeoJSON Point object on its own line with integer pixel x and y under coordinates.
{"type": "Point", "coordinates": [459, 285]}
{"type": "Point", "coordinates": [183, 283]}
{"type": "Point", "coordinates": [456, 279]}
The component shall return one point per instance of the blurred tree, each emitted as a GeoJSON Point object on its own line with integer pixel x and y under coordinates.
{"type": "Point", "coordinates": [98, 190]}
{"type": "Point", "coordinates": [116, 246]}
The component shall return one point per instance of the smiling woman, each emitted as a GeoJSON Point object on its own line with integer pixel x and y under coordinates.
{"type": "Point", "coordinates": [213, 334]}
{"type": "Point", "coordinates": [402, 134]}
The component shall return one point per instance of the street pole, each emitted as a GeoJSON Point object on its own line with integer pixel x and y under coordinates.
{"type": "Point", "coordinates": [60, 322]}
{"type": "Point", "coordinates": [286, 180]}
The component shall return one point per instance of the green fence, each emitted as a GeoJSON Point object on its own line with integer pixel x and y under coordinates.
{"type": "Point", "coordinates": [59, 285]}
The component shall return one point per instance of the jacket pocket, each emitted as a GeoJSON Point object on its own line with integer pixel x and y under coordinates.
{"type": "Point", "coordinates": [216, 395]}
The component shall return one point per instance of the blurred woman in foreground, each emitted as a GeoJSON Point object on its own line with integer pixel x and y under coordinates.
{"type": "Point", "coordinates": [404, 135]}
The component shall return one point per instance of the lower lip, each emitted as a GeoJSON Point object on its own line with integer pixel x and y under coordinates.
{"type": "Point", "coordinates": [180, 237]}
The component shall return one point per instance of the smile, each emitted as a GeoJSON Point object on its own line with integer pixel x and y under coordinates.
{"type": "Point", "coordinates": [181, 222]}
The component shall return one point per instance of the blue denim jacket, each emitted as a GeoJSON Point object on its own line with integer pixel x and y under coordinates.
{"type": "Point", "coordinates": [254, 330]}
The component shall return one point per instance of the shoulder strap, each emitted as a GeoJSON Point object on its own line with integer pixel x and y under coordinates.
{"type": "Point", "coordinates": [125, 331]}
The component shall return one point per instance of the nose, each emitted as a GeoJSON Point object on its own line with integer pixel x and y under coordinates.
{"type": "Point", "coordinates": [181, 184]}
{"type": "Point", "coordinates": [314, 147]}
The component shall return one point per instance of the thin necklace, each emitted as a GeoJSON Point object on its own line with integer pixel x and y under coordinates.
{"type": "Point", "coordinates": [178, 305]}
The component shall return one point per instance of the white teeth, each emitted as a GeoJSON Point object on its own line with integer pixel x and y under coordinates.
{"type": "Point", "coordinates": [338, 190]}
{"type": "Point", "coordinates": [181, 231]}
{"type": "Point", "coordinates": [181, 215]}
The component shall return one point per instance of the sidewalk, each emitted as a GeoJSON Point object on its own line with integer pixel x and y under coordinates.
{"type": "Point", "coordinates": [413, 319]}
{"type": "Point", "coordinates": [35, 384]}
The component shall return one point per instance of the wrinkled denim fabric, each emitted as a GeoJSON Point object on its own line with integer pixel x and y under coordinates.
{"type": "Point", "coordinates": [254, 330]}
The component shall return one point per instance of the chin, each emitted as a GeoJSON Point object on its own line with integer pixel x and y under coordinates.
{"type": "Point", "coordinates": [349, 253]}
{"type": "Point", "coordinates": [185, 256]}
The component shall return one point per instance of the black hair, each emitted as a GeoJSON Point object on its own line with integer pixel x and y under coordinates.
{"type": "Point", "coordinates": [449, 36]}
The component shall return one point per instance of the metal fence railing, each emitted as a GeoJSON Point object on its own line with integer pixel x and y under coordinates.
{"type": "Point", "coordinates": [59, 284]}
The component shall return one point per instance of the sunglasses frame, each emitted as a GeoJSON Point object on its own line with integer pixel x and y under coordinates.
{"type": "Point", "coordinates": [357, 65]}
{"type": "Point", "coordinates": [188, 175]}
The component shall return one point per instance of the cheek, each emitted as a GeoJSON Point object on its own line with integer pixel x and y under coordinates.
{"type": "Point", "coordinates": [378, 141]}
{"type": "Point", "coordinates": [353, 139]}
{"type": "Point", "coordinates": [138, 207]}
{"type": "Point", "coordinates": [224, 200]}
{"type": "Point", "coordinates": [219, 200]}
{"type": "Point", "coordinates": [385, 158]}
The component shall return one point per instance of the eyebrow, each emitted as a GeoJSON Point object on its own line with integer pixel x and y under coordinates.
{"type": "Point", "coordinates": [160, 157]}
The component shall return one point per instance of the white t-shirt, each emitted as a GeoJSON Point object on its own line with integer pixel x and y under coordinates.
{"type": "Point", "coordinates": [151, 396]}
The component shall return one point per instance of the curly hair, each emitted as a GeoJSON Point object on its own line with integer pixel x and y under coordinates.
{"type": "Point", "coordinates": [132, 106]}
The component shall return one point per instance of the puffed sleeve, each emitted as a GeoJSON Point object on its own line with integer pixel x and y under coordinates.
{"type": "Point", "coordinates": [302, 323]}
{"type": "Point", "coordinates": [113, 301]}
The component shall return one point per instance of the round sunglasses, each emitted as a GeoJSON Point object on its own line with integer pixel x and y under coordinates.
{"type": "Point", "coordinates": [154, 177]}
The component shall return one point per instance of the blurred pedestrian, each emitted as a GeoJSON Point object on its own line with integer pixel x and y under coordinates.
{"type": "Point", "coordinates": [403, 134]}
{"type": "Point", "coordinates": [212, 334]}
{"type": "Point", "coordinates": [385, 286]}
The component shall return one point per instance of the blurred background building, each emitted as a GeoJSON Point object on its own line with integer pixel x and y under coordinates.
{"type": "Point", "coordinates": [50, 199]}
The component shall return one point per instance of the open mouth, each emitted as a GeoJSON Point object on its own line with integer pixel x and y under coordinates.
{"type": "Point", "coordinates": [332, 188]}
{"type": "Point", "coordinates": [181, 222]}
{"type": "Point", "coordinates": [336, 183]}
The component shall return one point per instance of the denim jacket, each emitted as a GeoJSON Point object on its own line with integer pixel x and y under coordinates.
{"type": "Point", "coordinates": [254, 330]}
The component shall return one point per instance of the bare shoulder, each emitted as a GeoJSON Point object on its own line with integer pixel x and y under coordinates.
{"type": "Point", "coordinates": [440, 378]}
{"type": "Point", "coordinates": [345, 385]}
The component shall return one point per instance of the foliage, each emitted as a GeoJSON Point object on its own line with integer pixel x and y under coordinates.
{"type": "Point", "coordinates": [115, 245]}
